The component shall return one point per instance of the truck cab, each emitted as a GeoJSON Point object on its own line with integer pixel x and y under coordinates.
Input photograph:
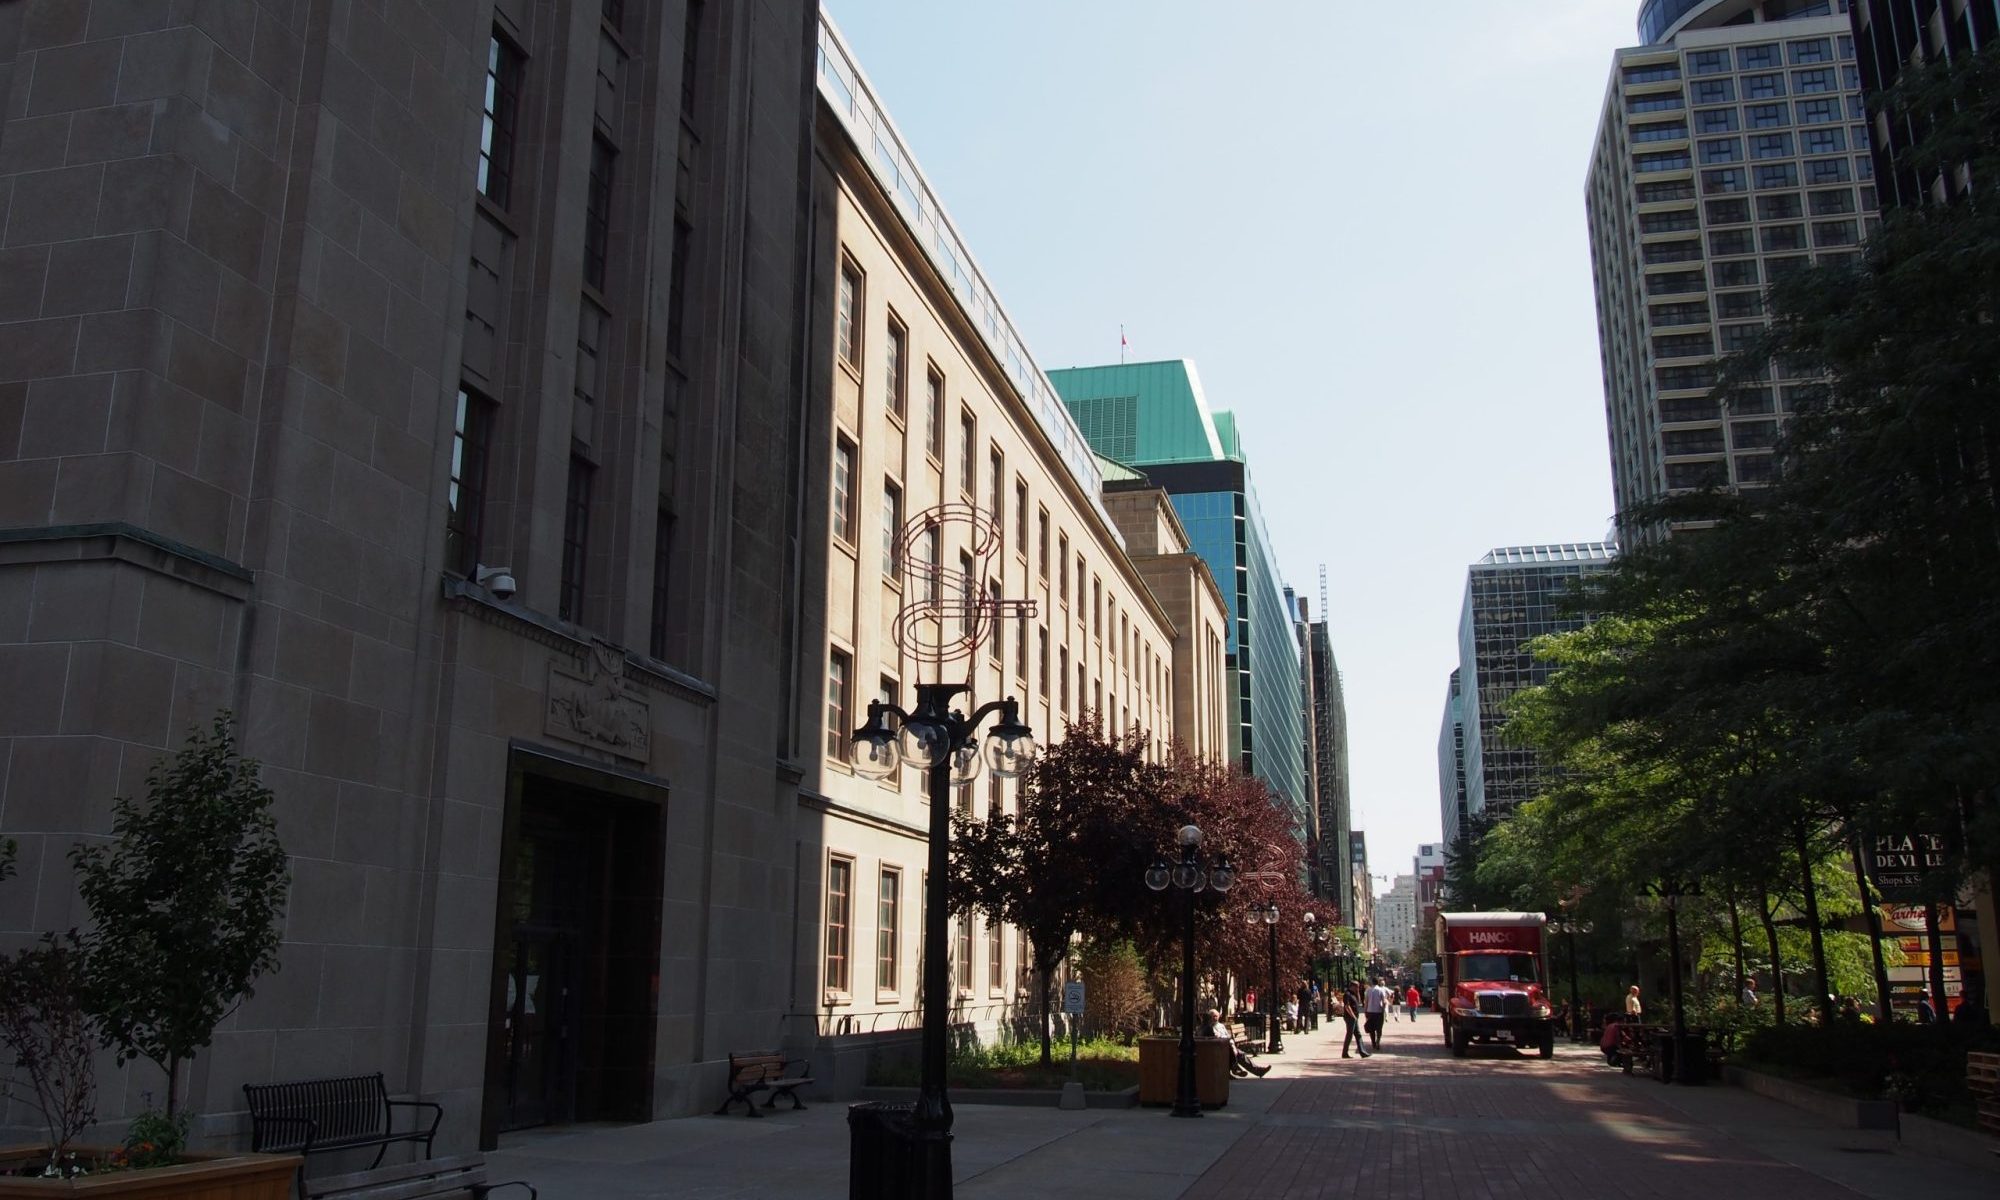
{"type": "Point", "coordinates": [1495, 981]}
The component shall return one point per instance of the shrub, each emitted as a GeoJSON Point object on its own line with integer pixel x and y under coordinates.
{"type": "Point", "coordinates": [1922, 1066]}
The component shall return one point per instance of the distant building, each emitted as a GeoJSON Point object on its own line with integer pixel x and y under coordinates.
{"type": "Point", "coordinates": [1512, 596]}
{"type": "Point", "coordinates": [1396, 917]}
{"type": "Point", "coordinates": [1893, 33]}
{"type": "Point", "coordinates": [1430, 885]}
{"type": "Point", "coordinates": [1732, 150]}
{"type": "Point", "coordinates": [1325, 750]}
{"type": "Point", "coordinates": [1362, 895]}
{"type": "Point", "coordinates": [1154, 417]}
{"type": "Point", "coordinates": [1452, 811]}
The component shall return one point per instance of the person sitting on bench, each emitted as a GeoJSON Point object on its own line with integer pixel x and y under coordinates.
{"type": "Point", "coordinates": [1240, 1063]}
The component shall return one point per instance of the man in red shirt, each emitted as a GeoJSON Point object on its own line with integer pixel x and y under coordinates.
{"type": "Point", "coordinates": [1411, 999]}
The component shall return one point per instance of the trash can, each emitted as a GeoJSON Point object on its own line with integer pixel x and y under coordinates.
{"type": "Point", "coordinates": [1692, 1044]}
{"type": "Point", "coordinates": [882, 1160]}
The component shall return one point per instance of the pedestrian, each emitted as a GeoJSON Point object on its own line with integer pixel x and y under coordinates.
{"type": "Point", "coordinates": [1411, 999]}
{"type": "Point", "coordinates": [1292, 1013]}
{"type": "Point", "coordinates": [1633, 1009]}
{"type": "Point", "coordinates": [1343, 1011]}
{"type": "Point", "coordinates": [1239, 1062]}
{"type": "Point", "coordinates": [1926, 1012]}
{"type": "Point", "coordinates": [1376, 1004]}
{"type": "Point", "coordinates": [1750, 998]}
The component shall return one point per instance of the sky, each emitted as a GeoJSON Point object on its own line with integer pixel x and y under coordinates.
{"type": "Point", "coordinates": [1363, 221]}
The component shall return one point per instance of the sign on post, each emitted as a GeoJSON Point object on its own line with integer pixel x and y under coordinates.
{"type": "Point", "coordinates": [1073, 997]}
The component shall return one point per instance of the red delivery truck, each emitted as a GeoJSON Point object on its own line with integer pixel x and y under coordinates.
{"type": "Point", "coordinates": [1495, 980]}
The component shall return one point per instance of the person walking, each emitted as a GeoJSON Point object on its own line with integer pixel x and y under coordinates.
{"type": "Point", "coordinates": [1343, 1011]}
{"type": "Point", "coordinates": [1378, 1002]}
{"type": "Point", "coordinates": [1411, 999]}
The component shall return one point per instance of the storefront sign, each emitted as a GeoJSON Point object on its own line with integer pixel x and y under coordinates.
{"type": "Point", "coordinates": [1900, 862]}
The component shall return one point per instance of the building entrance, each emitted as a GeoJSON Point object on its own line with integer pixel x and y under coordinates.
{"type": "Point", "coordinates": [576, 947]}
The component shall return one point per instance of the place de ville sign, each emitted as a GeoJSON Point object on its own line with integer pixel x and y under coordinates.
{"type": "Point", "coordinates": [1899, 863]}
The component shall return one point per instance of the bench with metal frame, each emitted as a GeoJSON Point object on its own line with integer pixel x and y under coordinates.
{"type": "Point", "coordinates": [319, 1116]}
{"type": "Point", "coordinates": [765, 1071]}
{"type": "Point", "coordinates": [463, 1177]}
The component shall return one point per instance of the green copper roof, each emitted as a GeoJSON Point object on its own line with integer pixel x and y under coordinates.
{"type": "Point", "coordinates": [1117, 472]}
{"type": "Point", "coordinates": [1142, 413]}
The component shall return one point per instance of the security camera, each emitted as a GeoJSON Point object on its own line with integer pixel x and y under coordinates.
{"type": "Point", "coordinates": [498, 580]}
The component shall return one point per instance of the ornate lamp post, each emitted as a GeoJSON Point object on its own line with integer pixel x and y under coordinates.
{"type": "Point", "coordinates": [945, 743]}
{"type": "Point", "coordinates": [1267, 915]}
{"type": "Point", "coordinates": [1568, 926]}
{"type": "Point", "coordinates": [1316, 935]}
{"type": "Point", "coordinates": [1193, 873]}
{"type": "Point", "coordinates": [1672, 888]}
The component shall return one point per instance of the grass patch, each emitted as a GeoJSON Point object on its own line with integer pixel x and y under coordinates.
{"type": "Point", "coordinates": [1101, 1066]}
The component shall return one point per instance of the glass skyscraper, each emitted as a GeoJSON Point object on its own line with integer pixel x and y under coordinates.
{"type": "Point", "coordinates": [1154, 417]}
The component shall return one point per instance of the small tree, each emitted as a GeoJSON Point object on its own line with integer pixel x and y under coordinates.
{"type": "Point", "coordinates": [46, 1032]}
{"type": "Point", "coordinates": [185, 902]}
{"type": "Point", "coordinates": [1117, 995]}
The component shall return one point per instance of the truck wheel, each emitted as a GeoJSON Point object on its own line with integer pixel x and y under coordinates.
{"type": "Point", "coordinates": [1548, 1041]}
{"type": "Point", "coordinates": [1461, 1041]}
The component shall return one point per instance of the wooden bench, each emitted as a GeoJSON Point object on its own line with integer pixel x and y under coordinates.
{"type": "Point", "coordinates": [317, 1116]}
{"type": "Point", "coordinates": [1638, 1046]}
{"type": "Point", "coordinates": [765, 1071]}
{"type": "Point", "coordinates": [1242, 1039]}
{"type": "Point", "coordinates": [464, 1176]}
{"type": "Point", "coordinates": [1982, 1079]}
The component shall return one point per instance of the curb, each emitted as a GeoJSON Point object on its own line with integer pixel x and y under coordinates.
{"type": "Point", "coordinates": [1017, 1097]}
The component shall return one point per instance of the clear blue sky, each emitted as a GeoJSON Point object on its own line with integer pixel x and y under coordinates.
{"type": "Point", "coordinates": [1364, 223]}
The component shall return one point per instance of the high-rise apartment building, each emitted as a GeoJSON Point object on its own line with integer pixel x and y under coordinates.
{"type": "Point", "coordinates": [1512, 596]}
{"type": "Point", "coordinates": [1452, 811]}
{"type": "Point", "coordinates": [1733, 148]}
{"type": "Point", "coordinates": [1154, 417]}
{"type": "Point", "coordinates": [423, 381]}
{"type": "Point", "coordinates": [1891, 34]}
{"type": "Point", "coordinates": [1396, 917]}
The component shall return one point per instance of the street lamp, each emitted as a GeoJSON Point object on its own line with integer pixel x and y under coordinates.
{"type": "Point", "coordinates": [1671, 888]}
{"type": "Point", "coordinates": [1192, 874]}
{"type": "Point", "coordinates": [1316, 934]}
{"type": "Point", "coordinates": [1267, 915]}
{"type": "Point", "coordinates": [1568, 925]}
{"type": "Point", "coordinates": [944, 742]}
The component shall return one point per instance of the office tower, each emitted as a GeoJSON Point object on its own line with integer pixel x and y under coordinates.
{"type": "Point", "coordinates": [1154, 417]}
{"type": "Point", "coordinates": [1361, 890]}
{"type": "Point", "coordinates": [1889, 35]}
{"type": "Point", "coordinates": [1512, 596]}
{"type": "Point", "coordinates": [1452, 811]}
{"type": "Point", "coordinates": [407, 378]}
{"type": "Point", "coordinates": [1733, 148]}
{"type": "Point", "coordinates": [1325, 752]}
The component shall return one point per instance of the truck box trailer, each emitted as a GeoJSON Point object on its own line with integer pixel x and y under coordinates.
{"type": "Point", "coordinates": [1495, 980]}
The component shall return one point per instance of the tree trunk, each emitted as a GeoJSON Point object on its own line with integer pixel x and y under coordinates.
{"type": "Point", "coordinates": [1822, 997]}
{"type": "Point", "coordinates": [173, 1066]}
{"type": "Point", "coordinates": [1043, 969]}
{"type": "Point", "coordinates": [1882, 1009]}
{"type": "Point", "coordinates": [1777, 962]}
{"type": "Point", "coordinates": [1736, 941]}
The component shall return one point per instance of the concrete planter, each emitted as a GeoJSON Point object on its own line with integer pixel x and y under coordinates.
{"type": "Point", "coordinates": [203, 1177]}
{"type": "Point", "coordinates": [1848, 1111]}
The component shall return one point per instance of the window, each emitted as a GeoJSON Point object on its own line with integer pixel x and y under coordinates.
{"type": "Point", "coordinates": [1652, 72]}
{"type": "Point", "coordinates": [1754, 435]}
{"type": "Point", "coordinates": [843, 489]}
{"type": "Point", "coordinates": [1767, 116]}
{"type": "Point", "coordinates": [1062, 569]}
{"type": "Point", "coordinates": [1763, 87]}
{"type": "Point", "coordinates": [1667, 315]}
{"type": "Point", "coordinates": [839, 922]}
{"type": "Point", "coordinates": [996, 645]}
{"type": "Point", "coordinates": [1740, 272]}
{"type": "Point", "coordinates": [1672, 252]}
{"type": "Point", "coordinates": [1755, 468]}
{"type": "Point", "coordinates": [576, 538]}
{"type": "Point", "coordinates": [1666, 131]}
{"type": "Point", "coordinates": [1683, 345]}
{"type": "Point", "coordinates": [1697, 474]}
{"type": "Point", "coordinates": [1722, 150]}
{"type": "Point", "coordinates": [1097, 608]}
{"type": "Point", "coordinates": [497, 126]}
{"type": "Point", "coordinates": [934, 414]}
{"type": "Point", "coordinates": [614, 13]}
{"type": "Point", "coordinates": [996, 487]}
{"type": "Point", "coordinates": [1819, 112]}
{"type": "Point", "coordinates": [1674, 283]}
{"type": "Point", "coordinates": [1823, 141]}
{"type": "Point", "coordinates": [1781, 268]}
{"type": "Point", "coordinates": [968, 471]}
{"type": "Point", "coordinates": [896, 368]}
{"type": "Point", "coordinates": [967, 593]}
{"type": "Point", "coordinates": [1674, 160]}
{"type": "Point", "coordinates": [1738, 338]}
{"type": "Point", "coordinates": [1062, 680]}
{"type": "Point", "coordinates": [597, 212]}
{"type": "Point", "coordinates": [1715, 120]}
{"type": "Point", "coordinates": [1715, 91]}
{"type": "Point", "coordinates": [1749, 400]}
{"type": "Point", "coordinates": [1042, 661]}
{"type": "Point", "coordinates": [1827, 170]}
{"type": "Point", "coordinates": [1731, 241]}
{"type": "Point", "coordinates": [888, 929]}
{"type": "Point", "coordinates": [1656, 102]}
{"type": "Point", "coordinates": [1756, 58]}
{"type": "Point", "coordinates": [996, 955]}
{"type": "Point", "coordinates": [465, 498]}
{"type": "Point", "coordinates": [1783, 207]}
{"type": "Point", "coordinates": [1677, 221]}
{"type": "Point", "coordinates": [1832, 203]}
{"type": "Point", "coordinates": [1708, 62]}
{"type": "Point", "coordinates": [677, 277]}
{"type": "Point", "coordinates": [1728, 212]}
{"type": "Point", "coordinates": [1724, 179]}
{"type": "Point", "coordinates": [690, 58]}
{"type": "Point", "coordinates": [1021, 517]}
{"type": "Point", "coordinates": [1676, 442]}
{"type": "Point", "coordinates": [1659, 193]}
{"type": "Point", "coordinates": [1817, 50]}
{"type": "Point", "coordinates": [1731, 305]}
{"type": "Point", "coordinates": [933, 563]}
{"type": "Point", "coordinates": [839, 707]}
{"type": "Point", "coordinates": [1783, 237]}
{"type": "Point", "coordinates": [1042, 544]}
{"type": "Point", "coordinates": [892, 529]}
{"type": "Point", "coordinates": [964, 963]}
{"type": "Point", "coordinates": [847, 316]}
{"type": "Point", "coordinates": [1777, 175]}
{"type": "Point", "coordinates": [663, 558]}
{"type": "Point", "coordinates": [1835, 233]}
{"type": "Point", "coordinates": [1682, 379]}
{"type": "Point", "coordinates": [1807, 83]}
{"type": "Point", "coordinates": [1771, 145]}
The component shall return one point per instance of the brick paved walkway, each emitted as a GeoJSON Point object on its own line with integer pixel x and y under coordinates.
{"type": "Point", "coordinates": [1414, 1122]}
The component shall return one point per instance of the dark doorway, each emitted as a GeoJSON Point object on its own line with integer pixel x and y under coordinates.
{"type": "Point", "coordinates": [576, 949]}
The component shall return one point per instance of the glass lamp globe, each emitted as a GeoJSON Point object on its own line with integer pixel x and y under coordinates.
{"type": "Point", "coordinates": [1270, 914]}
{"type": "Point", "coordinates": [924, 743]}
{"type": "Point", "coordinates": [1009, 751]}
{"type": "Point", "coordinates": [1159, 875]}
{"type": "Point", "coordinates": [1187, 875]}
{"type": "Point", "coordinates": [965, 763]}
{"type": "Point", "coordinates": [877, 758]}
{"type": "Point", "coordinates": [1223, 877]}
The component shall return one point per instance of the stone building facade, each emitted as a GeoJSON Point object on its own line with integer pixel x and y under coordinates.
{"type": "Point", "coordinates": [423, 381]}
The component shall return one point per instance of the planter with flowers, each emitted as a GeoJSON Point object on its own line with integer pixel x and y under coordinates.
{"type": "Point", "coordinates": [184, 903]}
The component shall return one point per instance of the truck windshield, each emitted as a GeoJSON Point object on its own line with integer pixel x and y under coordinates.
{"type": "Point", "coordinates": [1496, 968]}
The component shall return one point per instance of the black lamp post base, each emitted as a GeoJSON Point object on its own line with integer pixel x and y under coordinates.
{"type": "Point", "coordinates": [1178, 1111]}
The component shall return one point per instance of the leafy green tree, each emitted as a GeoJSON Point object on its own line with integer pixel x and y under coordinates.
{"type": "Point", "coordinates": [185, 903]}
